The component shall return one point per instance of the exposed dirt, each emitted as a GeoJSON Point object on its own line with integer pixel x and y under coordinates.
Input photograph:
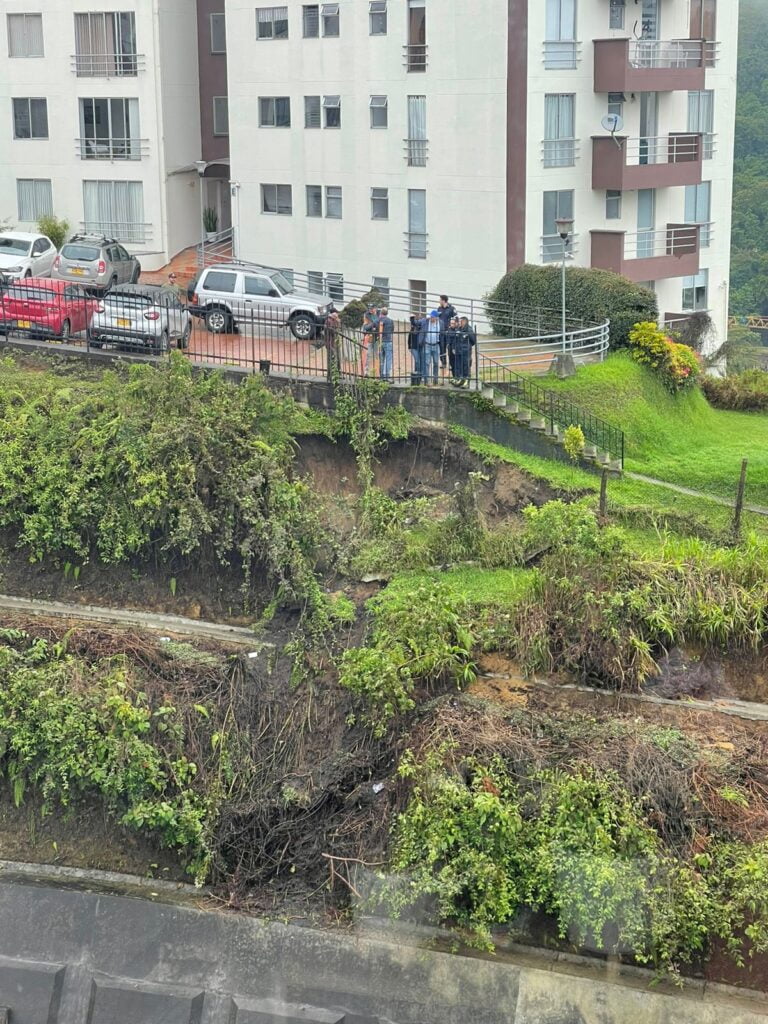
{"type": "Point", "coordinates": [430, 463]}
{"type": "Point", "coordinates": [687, 672]}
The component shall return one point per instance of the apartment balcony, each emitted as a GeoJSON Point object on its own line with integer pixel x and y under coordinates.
{"type": "Point", "coordinates": [651, 65]}
{"type": "Point", "coordinates": [648, 255]}
{"type": "Point", "coordinates": [415, 56]}
{"type": "Point", "coordinates": [108, 65]}
{"type": "Point", "coordinates": [112, 149]}
{"type": "Point", "coordinates": [622, 163]}
{"type": "Point", "coordinates": [416, 152]}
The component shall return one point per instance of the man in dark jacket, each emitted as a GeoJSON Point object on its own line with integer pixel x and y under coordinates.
{"type": "Point", "coordinates": [446, 313]}
{"type": "Point", "coordinates": [466, 340]}
{"type": "Point", "coordinates": [450, 337]}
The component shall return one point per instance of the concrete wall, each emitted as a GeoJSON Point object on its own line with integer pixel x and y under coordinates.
{"type": "Point", "coordinates": [85, 957]}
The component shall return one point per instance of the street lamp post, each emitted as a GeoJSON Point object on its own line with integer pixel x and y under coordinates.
{"type": "Point", "coordinates": [234, 191]}
{"type": "Point", "coordinates": [201, 166]}
{"type": "Point", "coordinates": [564, 227]}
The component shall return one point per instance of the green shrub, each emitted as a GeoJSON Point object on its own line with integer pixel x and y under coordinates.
{"type": "Point", "coordinates": [574, 442]}
{"type": "Point", "coordinates": [677, 365]}
{"type": "Point", "coordinates": [352, 314]}
{"type": "Point", "coordinates": [56, 229]}
{"type": "Point", "coordinates": [593, 295]}
{"type": "Point", "coordinates": [747, 391]}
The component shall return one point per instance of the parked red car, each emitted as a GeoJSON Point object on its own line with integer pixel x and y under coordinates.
{"type": "Point", "coordinates": [44, 307]}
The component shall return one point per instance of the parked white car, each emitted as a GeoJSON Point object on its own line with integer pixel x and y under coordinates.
{"type": "Point", "coordinates": [147, 316]}
{"type": "Point", "coordinates": [26, 255]}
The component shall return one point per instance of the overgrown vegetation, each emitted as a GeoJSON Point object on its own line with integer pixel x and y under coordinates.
{"type": "Point", "coordinates": [55, 228]}
{"type": "Point", "coordinates": [676, 364]}
{"type": "Point", "coordinates": [593, 295]}
{"type": "Point", "coordinates": [747, 391]}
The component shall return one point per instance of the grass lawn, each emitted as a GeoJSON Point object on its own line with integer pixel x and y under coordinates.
{"type": "Point", "coordinates": [483, 588]}
{"type": "Point", "coordinates": [681, 438]}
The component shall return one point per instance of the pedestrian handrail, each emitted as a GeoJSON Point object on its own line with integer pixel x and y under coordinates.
{"type": "Point", "coordinates": [558, 411]}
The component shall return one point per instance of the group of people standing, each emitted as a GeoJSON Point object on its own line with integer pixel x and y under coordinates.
{"type": "Point", "coordinates": [439, 342]}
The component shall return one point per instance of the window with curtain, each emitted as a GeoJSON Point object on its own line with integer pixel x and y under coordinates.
{"type": "Point", "coordinates": [34, 198]}
{"type": "Point", "coordinates": [30, 118]}
{"type": "Point", "coordinates": [333, 201]}
{"type": "Point", "coordinates": [109, 129]}
{"type": "Point", "coordinates": [274, 112]}
{"type": "Point", "coordinates": [556, 204]}
{"type": "Point", "coordinates": [25, 35]}
{"type": "Point", "coordinates": [417, 223]}
{"type": "Point", "coordinates": [416, 145]}
{"type": "Point", "coordinates": [314, 200]}
{"type": "Point", "coordinates": [218, 33]}
{"type": "Point", "coordinates": [560, 42]}
{"type": "Point", "coordinates": [271, 22]}
{"type": "Point", "coordinates": [310, 18]}
{"type": "Point", "coordinates": [698, 209]}
{"type": "Point", "coordinates": [105, 44]}
{"type": "Point", "coordinates": [379, 108]}
{"type": "Point", "coordinates": [115, 208]}
{"type": "Point", "coordinates": [277, 199]}
{"type": "Point", "coordinates": [559, 130]}
{"type": "Point", "coordinates": [221, 115]}
{"type": "Point", "coordinates": [379, 204]}
{"type": "Point", "coordinates": [377, 17]}
{"type": "Point", "coordinates": [701, 118]}
{"type": "Point", "coordinates": [312, 117]}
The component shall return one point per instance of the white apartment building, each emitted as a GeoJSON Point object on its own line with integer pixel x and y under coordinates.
{"type": "Point", "coordinates": [100, 120]}
{"type": "Point", "coordinates": [430, 144]}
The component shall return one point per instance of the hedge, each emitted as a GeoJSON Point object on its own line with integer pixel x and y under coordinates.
{"type": "Point", "coordinates": [592, 295]}
{"type": "Point", "coordinates": [746, 391]}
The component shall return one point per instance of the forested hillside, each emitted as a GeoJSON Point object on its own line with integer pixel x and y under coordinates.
{"type": "Point", "coordinates": [749, 272]}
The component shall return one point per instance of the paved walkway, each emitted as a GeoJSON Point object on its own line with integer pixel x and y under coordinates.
{"type": "Point", "coordinates": [759, 510]}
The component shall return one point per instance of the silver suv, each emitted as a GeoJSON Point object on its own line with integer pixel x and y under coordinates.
{"type": "Point", "coordinates": [98, 263]}
{"type": "Point", "coordinates": [230, 292]}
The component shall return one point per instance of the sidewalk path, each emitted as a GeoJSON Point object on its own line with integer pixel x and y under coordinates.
{"type": "Point", "coordinates": [759, 510]}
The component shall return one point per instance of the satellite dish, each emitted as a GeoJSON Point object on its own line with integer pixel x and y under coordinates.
{"type": "Point", "coordinates": [612, 123]}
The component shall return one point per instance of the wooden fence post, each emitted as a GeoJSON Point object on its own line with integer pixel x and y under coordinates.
{"type": "Point", "coordinates": [736, 528]}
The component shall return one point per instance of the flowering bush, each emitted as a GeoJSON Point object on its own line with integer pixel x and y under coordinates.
{"type": "Point", "coordinates": [678, 365]}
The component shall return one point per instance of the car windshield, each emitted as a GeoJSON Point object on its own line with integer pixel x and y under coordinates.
{"type": "Point", "coordinates": [133, 299]}
{"type": "Point", "coordinates": [80, 252]}
{"type": "Point", "coordinates": [17, 246]}
{"type": "Point", "coordinates": [20, 291]}
{"type": "Point", "coordinates": [281, 283]}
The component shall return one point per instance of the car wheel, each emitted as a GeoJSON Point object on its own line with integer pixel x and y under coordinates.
{"type": "Point", "coordinates": [66, 331]}
{"type": "Point", "coordinates": [161, 345]}
{"type": "Point", "coordinates": [217, 320]}
{"type": "Point", "coordinates": [28, 274]}
{"type": "Point", "coordinates": [184, 339]}
{"type": "Point", "coordinates": [303, 326]}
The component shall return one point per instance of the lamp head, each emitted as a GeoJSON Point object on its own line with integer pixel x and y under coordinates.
{"type": "Point", "coordinates": [201, 166]}
{"type": "Point", "coordinates": [564, 226]}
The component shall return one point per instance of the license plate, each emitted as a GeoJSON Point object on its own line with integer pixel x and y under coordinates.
{"type": "Point", "coordinates": [78, 270]}
{"type": "Point", "coordinates": [123, 323]}
{"type": "Point", "coordinates": [23, 325]}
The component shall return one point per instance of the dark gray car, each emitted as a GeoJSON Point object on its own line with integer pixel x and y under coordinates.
{"type": "Point", "coordinates": [96, 262]}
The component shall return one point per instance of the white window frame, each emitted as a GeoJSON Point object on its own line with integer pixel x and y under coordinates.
{"type": "Point", "coordinates": [27, 18]}
{"type": "Point", "coordinates": [381, 285]}
{"type": "Point", "coordinates": [314, 102]}
{"type": "Point", "coordinates": [130, 227]}
{"type": "Point", "coordinates": [271, 16]}
{"type": "Point", "coordinates": [377, 9]}
{"type": "Point", "coordinates": [330, 19]}
{"type": "Point", "coordinates": [316, 282]}
{"type": "Point", "coordinates": [552, 245]}
{"type": "Point", "coordinates": [42, 200]}
{"type": "Point", "coordinates": [617, 14]}
{"type": "Point", "coordinates": [334, 202]}
{"type": "Point", "coordinates": [218, 18]}
{"type": "Point", "coordinates": [695, 294]}
{"type": "Point", "coordinates": [271, 105]}
{"type": "Point", "coordinates": [379, 103]}
{"type": "Point", "coordinates": [613, 203]}
{"type": "Point", "coordinates": [560, 150]}
{"type": "Point", "coordinates": [616, 102]}
{"type": "Point", "coordinates": [380, 202]}
{"type": "Point", "coordinates": [308, 23]}
{"type": "Point", "coordinates": [560, 46]}
{"type": "Point", "coordinates": [331, 103]}
{"type": "Point", "coordinates": [28, 100]}
{"type": "Point", "coordinates": [277, 212]}
{"type": "Point", "coordinates": [700, 198]}
{"type": "Point", "coordinates": [218, 102]}
{"type": "Point", "coordinates": [315, 204]}
{"type": "Point", "coordinates": [334, 286]}
{"type": "Point", "coordinates": [114, 146]}
{"type": "Point", "coordinates": [92, 30]}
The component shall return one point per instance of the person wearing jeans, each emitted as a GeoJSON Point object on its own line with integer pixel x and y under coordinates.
{"type": "Point", "coordinates": [386, 336]}
{"type": "Point", "coordinates": [432, 349]}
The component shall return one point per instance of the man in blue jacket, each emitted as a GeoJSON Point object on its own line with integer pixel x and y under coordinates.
{"type": "Point", "coordinates": [432, 338]}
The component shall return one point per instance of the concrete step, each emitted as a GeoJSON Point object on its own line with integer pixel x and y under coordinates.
{"type": "Point", "coordinates": [603, 458]}
{"type": "Point", "coordinates": [590, 451]}
{"type": "Point", "coordinates": [538, 423]}
{"type": "Point", "coordinates": [513, 407]}
{"type": "Point", "coordinates": [499, 400]}
{"type": "Point", "coordinates": [523, 416]}
{"type": "Point", "coordinates": [614, 466]}
{"type": "Point", "coordinates": [488, 391]}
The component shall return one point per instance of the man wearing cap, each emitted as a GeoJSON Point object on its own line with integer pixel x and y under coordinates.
{"type": "Point", "coordinates": [446, 312]}
{"type": "Point", "coordinates": [432, 349]}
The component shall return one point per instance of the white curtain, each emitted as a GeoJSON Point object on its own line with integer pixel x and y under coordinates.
{"type": "Point", "coordinates": [417, 131]}
{"type": "Point", "coordinates": [116, 208]}
{"type": "Point", "coordinates": [25, 35]}
{"type": "Point", "coordinates": [559, 129]}
{"type": "Point", "coordinates": [561, 20]}
{"type": "Point", "coordinates": [35, 198]}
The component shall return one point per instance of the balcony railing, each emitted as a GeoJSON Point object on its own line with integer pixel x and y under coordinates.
{"type": "Point", "coordinates": [559, 152]}
{"type": "Point", "coordinates": [552, 248]}
{"type": "Point", "coordinates": [650, 65]}
{"type": "Point", "coordinates": [112, 149]}
{"type": "Point", "coordinates": [108, 65]}
{"type": "Point", "coordinates": [650, 162]}
{"type": "Point", "coordinates": [122, 230]}
{"type": "Point", "coordinates": [416, 152]}
{"type": "Point", "coordinates": [652, 255]}
{"type": "Point", "coordinates": [415, 56]}
{"type": "Point", "coordinates": [416, 244]}
{"type": "Point", "coordinates": [561, 55]}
